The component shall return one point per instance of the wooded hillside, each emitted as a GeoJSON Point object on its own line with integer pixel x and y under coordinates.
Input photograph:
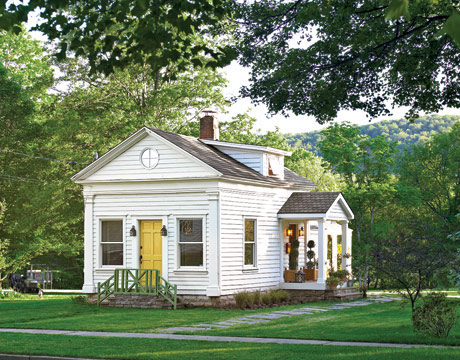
{"type": "Point", "coordinates": [400, 130]}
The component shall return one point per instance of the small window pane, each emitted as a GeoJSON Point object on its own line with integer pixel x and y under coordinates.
{"type": "Point", "coordinates": [249, 230]}
{"type": "Point", "coordinates": [191, 254]}
{"type": "Point", "coordinates": [249, 254]}
{"type": "Point", "coordinates": [274, 166]}
{"type": "Point", "coordinates": [191, 230]}
{"type": "Point", "coordinates": [112, 231]}
{"type": "Point", "coordinates": [112, 254]}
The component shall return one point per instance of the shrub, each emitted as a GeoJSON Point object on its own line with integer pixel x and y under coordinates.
{"type": "Point", "coordinates": [283, 295]}
{"type": "Point", "coordinates": [79, 300]}
{"type": "Point", "coordinates": [267, 299]}
{"type": "Point", "coordinates": [435, 317]}
{"type": "Point", "coordinates": [278, 296]}
{"type": "Point", "coordinates": [250, 301]}
{"type": "Point", "coordinates": [274, 296]}
{"type": "Point", "coordinates": [242, 299]}
{"type": "Point", "coordinates": [256, 297]}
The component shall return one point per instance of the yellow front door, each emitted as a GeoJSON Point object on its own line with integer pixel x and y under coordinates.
{"type": "Point", "coordinates": [151, 244]}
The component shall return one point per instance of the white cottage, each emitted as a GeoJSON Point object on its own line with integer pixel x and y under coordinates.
{"type": "Point", "coordinates": [212, 218]}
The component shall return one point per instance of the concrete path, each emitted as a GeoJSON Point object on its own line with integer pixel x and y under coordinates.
{"type": "Point", "coordinates": [276, 314]}
{"type": "Point", "coordinates": [217, 338]}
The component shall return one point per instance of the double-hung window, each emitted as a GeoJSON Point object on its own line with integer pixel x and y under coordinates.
{"type": "Point", "coordinates": [191, 242]}
{"type": "Point", "coordinates": [112, 242]}
{"type": "Point", "coordinates": [250, 241]}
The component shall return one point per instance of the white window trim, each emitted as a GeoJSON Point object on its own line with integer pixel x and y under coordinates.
{"type": "Point", "coordinates": [99, 221]}
{"type": "Point", "coordinates": [253, 266]}
{"type": "Point", "coordinates": [142, 152]}
{"type": "Point", "coordinates": [178, 267]}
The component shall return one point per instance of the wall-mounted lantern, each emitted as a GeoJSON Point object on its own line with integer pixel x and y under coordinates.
{"type": "Point", "coordinates": [132, 232]}
{"type": "Point", "coordinates": [289, 232]}
{"type": "Point", "coordinates": [301, 231]}
{"type": "Point", "coordinates": [164, 231]}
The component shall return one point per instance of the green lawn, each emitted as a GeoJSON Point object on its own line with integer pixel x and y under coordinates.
{"type": "Point", "coordinates": [384, 322]}
{"type": "Point", "coordinates": [120, 348]}
{"type": "Point", "coordinates": [62, 314]}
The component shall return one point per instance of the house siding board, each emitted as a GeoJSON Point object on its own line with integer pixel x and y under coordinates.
{"type": "Point", "coordinates": [251, 159]}
{"type": "Point", "coordinates": [261, 204]}
{"type": "Point", "coordinates": [133, 207]}
{"type": "Point", "coordinates": [172, 164]}
{"type": "Point", "coordinates": [336, 212]}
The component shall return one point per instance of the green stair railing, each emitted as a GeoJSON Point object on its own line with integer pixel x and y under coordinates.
{"type": "Point", "coordinates": [138, 281]}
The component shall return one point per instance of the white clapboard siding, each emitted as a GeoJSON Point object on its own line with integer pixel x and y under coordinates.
{"type": "Point", "coordinates": [172, 164]}
{"type": "Point", "coordinates": [252, 159]}
{"type": "Point", "coordinates": [131, 208]}
{"type": "Point", "coordinates": [260, 204]}
{"type": "Point", "coordinates": [336, 212]}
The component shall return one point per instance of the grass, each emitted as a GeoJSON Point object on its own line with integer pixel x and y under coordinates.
{"type": "Point", "coordinates": [62, 314]}
{"type": "Point", "coordinates": [383, 322]}
{"type": "Point", "coordinates": [121, 348]}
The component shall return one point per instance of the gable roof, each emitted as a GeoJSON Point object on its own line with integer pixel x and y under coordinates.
{"type": "Point", "coordinates": [313, 203]}
{"type": "Point", "coordinates": [211, 157]}
{"type": "Point", "coordinates": [225, 164]}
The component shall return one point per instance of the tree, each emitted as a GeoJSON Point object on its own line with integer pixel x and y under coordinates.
{"type": "Point", "coordinates": [120, 34]}
{"type": "Point", "coordinates": [314, 168]}
{"type": "Point", "coordinates": [93, 114]}
{"type": "Point", "coordinates": [366, 166]}
{"type": "Point", "coordinates": [432, 170]}
{"type": "Point", "coordinates": [319, 57]}
{"type": "Point", "coordinates": [411, 254]}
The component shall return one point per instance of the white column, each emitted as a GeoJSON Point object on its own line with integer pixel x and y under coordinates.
{"type": "Point", "coordinates": [306, 237]}
{"type": "Point", "coordinates": [281, 233]}
{"type": "Point", "coordinates": [213, 288]}
{"type": "Point", "coordinates": [88, 286]}
{"type": "Point", "coordinates": [334, 247]}
{"type": "Point", "coordinates": [346, 246]}
{"type": "Point", "coordinates": [322, 252]}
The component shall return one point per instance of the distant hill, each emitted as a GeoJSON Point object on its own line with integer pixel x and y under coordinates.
{"type": "Point", "coordinates": [402, 131]}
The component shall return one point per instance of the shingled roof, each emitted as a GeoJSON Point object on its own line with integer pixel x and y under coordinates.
{"type": "Point", "coordinates": [227, 165]}
{"type": "Point", "coordinates": [309, 202]}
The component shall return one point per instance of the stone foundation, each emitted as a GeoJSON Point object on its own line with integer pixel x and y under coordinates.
{"type": "Point", "coordinates": [146, 301]}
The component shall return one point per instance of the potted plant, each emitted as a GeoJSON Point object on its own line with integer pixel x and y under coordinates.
{"type": "Point", "coordinates": [289, 275]}
{"type": "Point", "coordinates": [311, 273]}
{"type": "Point", "coordinates": [332, 282]}
{"type": "Point", "coordinates": [340, 274]}
{"type": "Point", "coordinates": [344, 274]}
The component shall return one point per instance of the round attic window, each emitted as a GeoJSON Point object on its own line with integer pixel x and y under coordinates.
{"type": "Point", "coordinates": [149, 158]}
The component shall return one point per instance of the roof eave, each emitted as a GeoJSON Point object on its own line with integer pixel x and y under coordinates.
{"type": "Point", "coordinates": [267, 149]}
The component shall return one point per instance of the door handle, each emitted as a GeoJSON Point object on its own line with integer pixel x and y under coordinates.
{"type": "Point", "coordinates": [140, 259]}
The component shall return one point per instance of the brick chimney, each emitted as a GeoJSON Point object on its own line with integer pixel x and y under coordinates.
{"type": "Point", "coordinates": [209, 126]}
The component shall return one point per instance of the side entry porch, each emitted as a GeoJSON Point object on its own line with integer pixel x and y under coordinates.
{"type": "Point", "coordinates": [316, 245]}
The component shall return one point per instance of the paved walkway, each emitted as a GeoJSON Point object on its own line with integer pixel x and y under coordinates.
{"type": "Point", "coordinates": [276, 314]}
{"type": "Point", "coordinates": [216, 338]}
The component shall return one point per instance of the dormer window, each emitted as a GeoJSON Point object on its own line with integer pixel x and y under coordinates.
{"type": "Point", "coordinates": [274, 166]}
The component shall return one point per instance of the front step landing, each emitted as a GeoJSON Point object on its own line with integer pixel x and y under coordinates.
{"type": "Point", "coordinates": [343, 294]}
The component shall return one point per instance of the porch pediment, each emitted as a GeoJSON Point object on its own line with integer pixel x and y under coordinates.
{"type": "Point", "coordinates": [315, 205]}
